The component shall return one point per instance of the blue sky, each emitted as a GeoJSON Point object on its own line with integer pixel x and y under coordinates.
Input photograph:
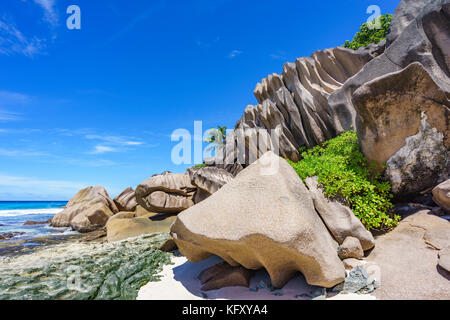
{"type": "Point", "coordinates": [97, 106]}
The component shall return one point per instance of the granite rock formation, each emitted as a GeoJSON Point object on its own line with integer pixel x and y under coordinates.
{"type": "Point", "coordinates": [293, 107]}
{"type": "Point", "coordinates": [126, 200]}
{"type": "Point", "coordinates": [339, 219]}
{"type": "Point", "coordinates": [395, 92]}
{"type": "Point", "coordinates": [262, 218]}
{"type": "Point", "coordinates": [166, 193]}
{"type": "Point", "coordinates": [88, 210]}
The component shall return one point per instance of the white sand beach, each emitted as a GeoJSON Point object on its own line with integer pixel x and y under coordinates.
{"type": "Point", "coordinates": [179, 282]}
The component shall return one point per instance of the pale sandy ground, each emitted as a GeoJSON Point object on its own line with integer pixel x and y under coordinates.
{"type": "Point", "coordinates": [179, 282]}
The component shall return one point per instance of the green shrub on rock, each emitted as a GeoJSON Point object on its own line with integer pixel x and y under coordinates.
{"type": "Point", "coordinates": [366, 35]}
{"type": "Point", "coordinates": [345, 175]}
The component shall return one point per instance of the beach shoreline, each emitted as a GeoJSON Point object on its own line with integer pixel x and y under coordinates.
{"type": "Point", "coordinates": [14, 247]}
{"type": "Point", "coordinates": [179, 281]}
{"type": "Point", "coordinates": [76, 269]}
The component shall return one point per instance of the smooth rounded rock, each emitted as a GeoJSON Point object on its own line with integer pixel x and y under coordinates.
{"type": "Point", "coordinates": [264, 217]}
{"type": "Point", "coordinates": [350, 248]}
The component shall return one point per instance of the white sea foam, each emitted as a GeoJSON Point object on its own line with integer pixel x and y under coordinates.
{"type": "Point", "coordinates": [23, 212]}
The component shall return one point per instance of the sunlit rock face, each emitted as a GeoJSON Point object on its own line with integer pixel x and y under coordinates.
{"type": "Point", "coordinates": [293, 107]}
{"type": "Point", "coordinates": [126, 200]}
{"type": "Point", "coordinates": [402, 100]}
{"type": "Point", "coordinates": [88, 210]}
{"type": "Point", "coordinates": [166, 193]}
{"type": "Point", "coordinates": [263, 218]}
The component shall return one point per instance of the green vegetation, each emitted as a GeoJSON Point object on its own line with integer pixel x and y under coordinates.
{"type": "Point", "coordinates": [345, 175]}
{"type": "Point", "coordinates": [366, 35]}
{"type": "Point", "coordinates": [217, 137]}
{"type": "Point", "coordinates": [201, 165]}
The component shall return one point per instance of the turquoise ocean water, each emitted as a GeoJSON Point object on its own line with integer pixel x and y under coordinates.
{"type": "Point", "coordinates": [13, 215]}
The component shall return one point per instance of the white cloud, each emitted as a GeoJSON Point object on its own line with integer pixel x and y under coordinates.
{"type": "Point", "coordinates": [234, 53]}
{"type": "Point", "coordinates": [99, 149]}
{"type": "Point", "coordinates": [20, 131]}
{"type": "Point", "coordinates": [8, 98]}
{"type": "Point", "coordinates": [20, 153]}
{"type": "Point", "coordinates": [15, 181]}
{"type": "Point", "coordinates": [13, 41]}
{"type": "Point", "coordinates": [278, 57]}
{"type": "Point", "coordinates": [11, 99]}
{"type": "Point", "coordinates": [207, 44]}
{"type": "Point", "coordinates": [121, 141]}
{"type": "Point", "coordinates": [50, 14]}
{"type": "Point", "coordinates": [8, 116]}
{"type": "Point", "coordinates": [17, 186]}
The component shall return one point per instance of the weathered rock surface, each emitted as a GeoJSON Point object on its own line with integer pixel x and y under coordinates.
{"type": "Point", "coordinates": [438, 238]}
{"type": "Point", "coordinates": [126, 200]}
{"type": "Point", "coordinates": [405, 13]}
{"type": "Point", "coordinates": [411, 76]}
{"type": "Point", "coordinates": [209, 179]}
{"type": "Point", "coordinates": [200, 195]}
{"type": "Point", "coordinates": [166, 193]}
{"type": "Point", "coordinates": [350, 248]}
{"type": "Point", "coordinates": [168, 246]}
{"type": "Point", "coordinates": [414, 142]}
{"type": "Point", "coordinates": [294, 105]}
{"type": "Point", "coordinates": [262, 218]}
{"type": "Point", "coordinates": [223, 275]}
{"type": "Point", "coordinates": [124, 228]}
{"type": "Point", "coordinates": [140, 211]}
{"type": "Point", "coordinates": [441, 195]}
{"type": "Point", "coordinates": [408, 263]}
{"type": "Point", "coordinates": [359, 280]}
{"type": "Point", "coordinates": [88, 210]}
{"type": "Point", "coordinates": [444, 259]}
{"type": "Point", "coordinates": [122, 215]}
{"type": "Point", "coordinates": [339, 219]}
{"type": "Point", "coordinates": [351, 263]}
{"type": "Point", "coordinates": [33, 223]}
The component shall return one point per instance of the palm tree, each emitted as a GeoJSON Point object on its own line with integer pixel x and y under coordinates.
{"type": "Point", "coordinates": [217, 137]}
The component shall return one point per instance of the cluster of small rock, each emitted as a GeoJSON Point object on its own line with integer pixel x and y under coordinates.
{"type": "Point", "coordinates": [151, 208]}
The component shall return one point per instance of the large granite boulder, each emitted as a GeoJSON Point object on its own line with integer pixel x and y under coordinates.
{"type": "Point", "coordinates": [209, 179]}
{"type": "Point", "coordinates": [263, 218]}
{"type": "Point", "coordinates": [293, 107]}
{"type": "Point", "coordinates": [414, 143]}
{"type": "Point", "coordinates": [126, 200]}
{"type": "Point", "coordinates": [403, 93]}
{"type": "Point", "coordinates": [441, 195]}
{"type": "Point", "coordinates": [339, 219]}
{"type": "Point", "coordinates": [166, 193]}
{"type": "Point", "coordinates": [408, 264]}
{"type": "Point", "coordinates": [88, 210]}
